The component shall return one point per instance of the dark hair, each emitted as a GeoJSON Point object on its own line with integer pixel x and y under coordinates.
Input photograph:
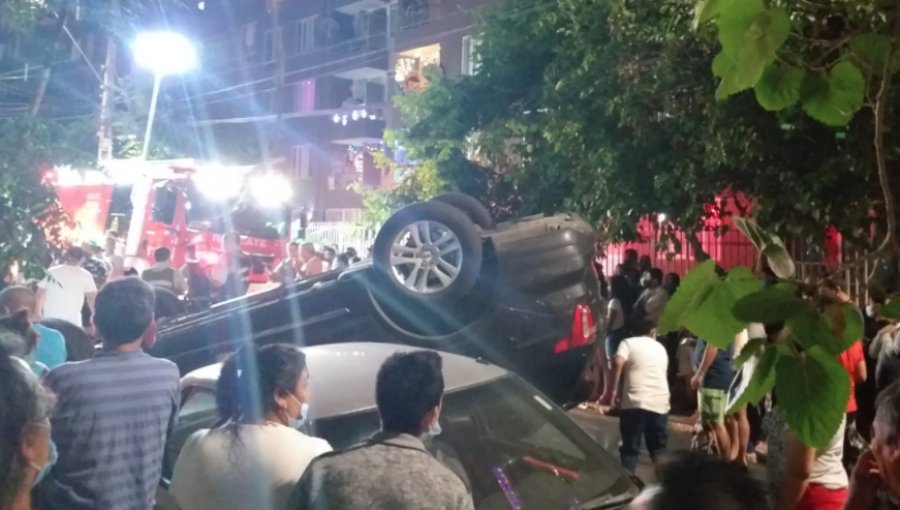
{"type": "Point", "coordinates": [409, 384]}
{"type": "Point", "coordinates": [124, 310]}
{"type": "Point", "coordinates": [79, 346]}
{"type": "Point", "coordinates": [675, 279]}
{"type": "Point", "coordinates": [251, 376]}
{"type": "Point", "coordinates": [74, 254]}
{"type": "Point", "coordinates": [294, 243]}
{"type": "Point", "coordinates": [329, 249]}
{"type": "Point", "coordinates": [343, 258]}
{"type": "Point", "coordinates": [22, 402]}
{"type": "Point", "coordinates": [351, 252]}
{"type": "Point", "coordinates": [631, 254]}
{"type": "Point", "coordinates": [643, 327]}
{"type": "Point", "coordinates": [656, 273]}
{"type": "Point", "coordinates": [696, 481]}
{"type": "Point", "coordinates": [620, 289]}
{"type": "Point", "coordinates": [19, 327]}
{"type": "Point", "coordinates": [162, 254]}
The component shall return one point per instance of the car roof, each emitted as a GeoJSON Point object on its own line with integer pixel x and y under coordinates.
{"type": "Point", "coordinates": [342, 376]}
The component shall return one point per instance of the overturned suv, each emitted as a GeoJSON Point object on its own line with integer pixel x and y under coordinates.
{"type": "Point", "coordinates": [521, 294]}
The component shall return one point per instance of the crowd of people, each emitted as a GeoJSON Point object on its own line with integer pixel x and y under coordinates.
{"type": "Point", "coordinates": [93, 433]}
{"type": "Point", "coordinates": [640, 369]}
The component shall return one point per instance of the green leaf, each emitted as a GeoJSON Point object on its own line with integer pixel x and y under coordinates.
{"type": "Point", "coordinates": [811, 329]}
{"type": "Point", "coordinates": [891, 309]}
{"type": "Point", "coordinates": [779, 88]}
{"type": "Point", "coordinates": [871, 50]}
{"type": "Point", "coordinates": [734, 22]}
{"type": "Point", "coordinates": [834, 101]}
{"type": "Point", "coordinates": [779, 260]}
{"type": "Point", "coordinates": [763, 379]}
{"type": "Point", "coordinates": [846, 324]}
{"type": "Point", "coordinates": [762, 38]}
{"type": "Point", "coordinates": [759, 237]}
{"type": "Point", "coordinates": [696, 284]}
{"type": "Point", "coordinates": [712, 319]}
{"type": "Point", "coordinates": [721, 64]}
{"type": "Point", "coordinates": [705, 10]}
{"type": "Point", "coordinates": [754, 348]}
{"type": "Point", "coordinates": [768, 306]}
{"type": "Point", "coordinates": [812, 392]}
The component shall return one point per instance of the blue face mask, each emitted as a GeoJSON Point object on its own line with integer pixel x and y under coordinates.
{"type": "Point", "coordinates": [52, 457]}
{"type": "Point", "coordinates": [299, 421]}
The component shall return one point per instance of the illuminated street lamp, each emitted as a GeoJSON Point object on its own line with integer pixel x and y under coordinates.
{"type": "Point", "coordinates": [163, 53]}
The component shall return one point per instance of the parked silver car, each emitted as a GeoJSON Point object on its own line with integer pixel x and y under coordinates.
{"type": "Point", "coordinates": [509, 443]}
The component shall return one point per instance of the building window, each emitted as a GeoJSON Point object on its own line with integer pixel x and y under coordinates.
{"type": "Point", "coordinates": [470, 60]}
{"type": "Point", "coordinates": [300, 161]}
{"type": "Point", "coordinates": [250, 38]}
{"type": "Point", "coordinates": [306, 34]}
{"type": "Point", "coordinates": [305, 96]}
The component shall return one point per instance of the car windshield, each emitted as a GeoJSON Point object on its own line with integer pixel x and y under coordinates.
{"type": "Point", "coordinates": [511, 447]}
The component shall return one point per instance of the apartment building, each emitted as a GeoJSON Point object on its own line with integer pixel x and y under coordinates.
{"type": "Point", "coordinates": [321, 117]}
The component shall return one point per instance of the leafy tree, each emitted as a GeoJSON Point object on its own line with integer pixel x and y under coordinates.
{"type": "Point", "coordinates": [831, 61]}
{"type": "Point", "coordinates": [607, 108]}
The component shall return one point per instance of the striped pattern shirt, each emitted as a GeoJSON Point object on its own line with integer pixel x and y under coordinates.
{"type": "Point", "coordinates": [112, 418]}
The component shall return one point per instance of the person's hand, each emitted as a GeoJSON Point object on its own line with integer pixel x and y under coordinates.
{"type": "Point", "coordinates": [864, 483]}
{"type": "Point", "coordinates": [695, 381]}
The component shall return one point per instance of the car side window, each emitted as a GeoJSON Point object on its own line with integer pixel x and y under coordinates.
{"type": "Point", "coordinates": [197, 402]}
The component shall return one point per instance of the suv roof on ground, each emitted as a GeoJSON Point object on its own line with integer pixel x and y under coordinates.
{"type": "Point", "coordinates": [342, 376]}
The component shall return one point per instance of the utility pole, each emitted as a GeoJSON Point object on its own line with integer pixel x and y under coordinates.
{"type": "Point", "coordinates": [104, 132]}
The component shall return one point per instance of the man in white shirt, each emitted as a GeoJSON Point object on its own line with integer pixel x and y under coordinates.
{"type": "Point", "coordinates": [653, 300]}
{"type": "Point", "coordinates": [645, 396]}
{"type": "Point", "coordinates": [63, 292]}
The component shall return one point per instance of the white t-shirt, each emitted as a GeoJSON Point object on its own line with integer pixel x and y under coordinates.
{"type": "Point", "coordinates": [66, 287]}
{"type": "Point", "coordinates": [258, 469]}
{"type": "Point", "coordinates": [654, 302]}
{"type": "Point", "coordinates": [646, 365]}
{"type": "Point", "coordinates": [619, 321]}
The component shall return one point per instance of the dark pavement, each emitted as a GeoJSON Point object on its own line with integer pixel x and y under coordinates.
{"type": "Point", "coordinates": [605, 430]}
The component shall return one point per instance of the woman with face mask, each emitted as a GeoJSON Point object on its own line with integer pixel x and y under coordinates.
{"type": "Point", "coordinates": [25, 409]}
{"type": "Point", "coordinates": [255, 454]}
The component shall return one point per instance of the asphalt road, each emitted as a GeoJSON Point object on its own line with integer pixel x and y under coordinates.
{"type": "Point", "coordinates": [605, 430]}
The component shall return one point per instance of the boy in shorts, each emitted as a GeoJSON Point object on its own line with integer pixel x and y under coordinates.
{"type": "Point", "coordinates": [713, 377]}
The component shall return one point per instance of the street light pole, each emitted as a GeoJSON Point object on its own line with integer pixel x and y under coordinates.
{"type": "Point", "coordinates": [163, 53]}
{"type": "Point", "coordinates": [151, 116]}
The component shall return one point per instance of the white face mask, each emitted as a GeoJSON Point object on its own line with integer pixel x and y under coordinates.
{"type": "Point", "coordinates": [870, 311]}
{"type": "Point", "coordinates": [298, 421]}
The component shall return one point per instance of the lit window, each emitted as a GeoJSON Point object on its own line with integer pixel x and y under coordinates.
{"type": "Point", "coordinates": [470, 60]}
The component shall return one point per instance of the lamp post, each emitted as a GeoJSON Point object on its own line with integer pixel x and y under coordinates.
{"type": "Point", "coordinates": [164, 53]}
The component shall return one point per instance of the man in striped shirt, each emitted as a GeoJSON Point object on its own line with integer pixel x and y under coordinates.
{"type": "Point", "coordinates": [114, 412]}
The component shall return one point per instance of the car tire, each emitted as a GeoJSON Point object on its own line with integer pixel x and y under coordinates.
{"type": "Point", "coordinates": [430, 251]}
{"type": "Point", "coordinates": [469, 205]}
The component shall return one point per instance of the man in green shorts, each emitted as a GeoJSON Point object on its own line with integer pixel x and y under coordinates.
{"type": "Point", "coordinates": [713, 377]}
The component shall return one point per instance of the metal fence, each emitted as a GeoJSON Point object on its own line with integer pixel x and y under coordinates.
{"type": "Point", "coordinates": [341, 234]}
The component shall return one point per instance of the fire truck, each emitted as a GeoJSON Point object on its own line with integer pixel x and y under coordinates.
{"type": "Point", "coordinates": [185, 205]}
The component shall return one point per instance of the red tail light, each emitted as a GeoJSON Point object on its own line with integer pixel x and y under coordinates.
{"type": "Point", "coordinates": [583, 332]}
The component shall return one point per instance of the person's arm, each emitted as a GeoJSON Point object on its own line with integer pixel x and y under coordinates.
{"type": "Point", "coordinates": [180, 283]}
{"type": "Point", "coordinates": [709, 355]}
{"type": "Point", "coordinates": [612, 313]}
{"type": "Point", "coordinates": [864, 484]}
{"type": "Point", "coordinates": [315, 266]}
{"type": "Point", "coordinates": [798, 464]}
{"type": "Point", "coordinates": [618, 369]}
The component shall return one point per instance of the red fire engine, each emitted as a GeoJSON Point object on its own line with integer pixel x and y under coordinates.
{"type": "Point", "coordinates": [183, 205]}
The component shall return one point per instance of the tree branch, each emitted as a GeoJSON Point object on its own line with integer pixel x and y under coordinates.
{"type": "Point", "coordinates": [890, 239]}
